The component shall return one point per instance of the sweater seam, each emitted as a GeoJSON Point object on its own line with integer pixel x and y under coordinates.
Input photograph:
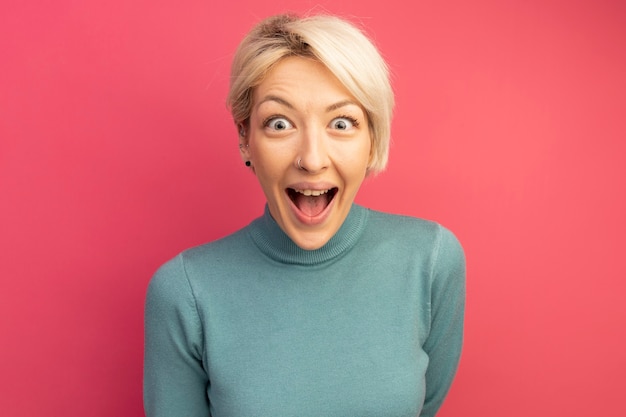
{"type": "Point", "coordinates": [195, 302]}
{"type": "Point", "coordinates": [435, 260]}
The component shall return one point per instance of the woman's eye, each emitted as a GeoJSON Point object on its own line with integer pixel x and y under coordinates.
{"type": "Point", "coordinates": [343, 123]}
{"type": "Point", "coordinates": [278, 123]}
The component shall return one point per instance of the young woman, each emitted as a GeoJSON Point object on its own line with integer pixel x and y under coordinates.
{"type": "Point", "coordinates": [319, 307]}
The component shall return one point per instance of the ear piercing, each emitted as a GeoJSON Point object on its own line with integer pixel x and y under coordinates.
{"type": "Point", "coordinates": [241, 145]}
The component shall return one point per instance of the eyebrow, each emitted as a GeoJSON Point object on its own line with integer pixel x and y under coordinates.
{"type": "Point", "coordinates": [287, 104]}
{"type": "Point", "coordinates": [276, 99]}
{"type": "Point", "coordinates": [340, 105]}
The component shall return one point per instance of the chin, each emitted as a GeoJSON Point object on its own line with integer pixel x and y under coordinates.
{"type": "Point", "coordinates": [310, 243]}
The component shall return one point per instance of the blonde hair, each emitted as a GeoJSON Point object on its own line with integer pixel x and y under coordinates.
{"type": "Point", "coordinates": [340, 46]}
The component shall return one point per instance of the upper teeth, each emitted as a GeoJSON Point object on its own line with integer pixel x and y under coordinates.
{"type": "Point", "coordinates": [314, 193]}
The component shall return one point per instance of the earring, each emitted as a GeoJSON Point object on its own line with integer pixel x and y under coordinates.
{"type": "Point", "coordinates": [242, 130]}
{"type": "Point", "coordinates": [248, 163]}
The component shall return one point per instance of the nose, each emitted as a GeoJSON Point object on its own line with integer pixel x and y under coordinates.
{"type": "Point", "coordinates": [313, 156]}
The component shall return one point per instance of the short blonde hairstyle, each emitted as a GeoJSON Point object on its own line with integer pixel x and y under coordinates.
{"type": "Point", "coordinates": [340, 46]}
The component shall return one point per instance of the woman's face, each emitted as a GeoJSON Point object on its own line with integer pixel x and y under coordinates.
{"type": "Point", "coordinates": [301, 112]}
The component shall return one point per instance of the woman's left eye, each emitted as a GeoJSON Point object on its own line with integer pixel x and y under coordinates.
{"type": "Point", "coordinates": [343, 123]}
{"type": "Point", "coordinates": [278, 123]}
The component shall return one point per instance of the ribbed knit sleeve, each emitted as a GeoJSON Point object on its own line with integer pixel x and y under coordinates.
{"type": "Point", "coordinates": [175, 381]}
{"type": "Point", "coordinates": [447, 305]}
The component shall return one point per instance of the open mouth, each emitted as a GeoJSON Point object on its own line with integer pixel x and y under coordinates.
{"type": "Point", "coordinates": [311, 202]}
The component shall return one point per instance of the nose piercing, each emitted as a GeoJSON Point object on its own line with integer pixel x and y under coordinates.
{"type": "Point", "coordinates": [300, 166]}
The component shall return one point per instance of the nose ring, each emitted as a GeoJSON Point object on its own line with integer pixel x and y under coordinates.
{"type": "Point", "coordinates": [300, 166]}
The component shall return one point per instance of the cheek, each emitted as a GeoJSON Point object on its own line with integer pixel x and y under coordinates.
{"type": "Point", "coordinates": [371, 152]}
{"type": "Point", "coordinates": [266, 167]}
{"type": "Point", "coordinates": [272, 157]}
{"type": "Point", "coordinates": [365, 154]}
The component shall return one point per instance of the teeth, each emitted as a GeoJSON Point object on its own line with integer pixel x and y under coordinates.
{"type": "Point", "coordinates": [314, 193]}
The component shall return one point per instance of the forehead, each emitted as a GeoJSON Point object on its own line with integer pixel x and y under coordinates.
{"type": "Point", "coordinates": [300, 82]}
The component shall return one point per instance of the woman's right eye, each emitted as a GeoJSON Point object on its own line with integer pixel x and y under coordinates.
{"type": "Point", "coordinates": [278, 123]}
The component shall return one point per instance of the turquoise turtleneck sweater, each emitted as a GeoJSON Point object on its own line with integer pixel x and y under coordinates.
{"type": "Point", "coordinates": [371, 324]}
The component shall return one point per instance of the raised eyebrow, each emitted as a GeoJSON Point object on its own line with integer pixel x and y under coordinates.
{"type": "Point", "coordinates": [287, 104]}
{"type": "Point", "coordinates": [341, 104]}
{"type": "Point", "coordinates": [277, 100]}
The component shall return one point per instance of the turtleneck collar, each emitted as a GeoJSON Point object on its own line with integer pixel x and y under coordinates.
{"type": "Point", "coordinates": [272, 241]}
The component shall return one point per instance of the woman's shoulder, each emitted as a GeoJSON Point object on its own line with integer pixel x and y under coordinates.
{"type": "Point", "coordinates": [227, 246]}
{"type": "Point", "coordinates": [204, 257]}
{"type": "Point", "coordinates": [400, 220]}
{"type": "Point", "coordinates": [414, 238]}
{"type": "Point", "coordinates": [402, 224]}
{"type": "Point", "coordinates": [411, 229]}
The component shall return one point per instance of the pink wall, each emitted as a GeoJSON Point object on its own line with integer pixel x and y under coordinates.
{"type": "Point", "coordinates": [116, 152]}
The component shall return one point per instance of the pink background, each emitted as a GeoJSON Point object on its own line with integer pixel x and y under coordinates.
{"type": "Point", "coordinates": [117, 152]}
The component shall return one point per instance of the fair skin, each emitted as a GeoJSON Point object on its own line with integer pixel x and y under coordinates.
{"type": "Point", "coordinates": [302, 112]}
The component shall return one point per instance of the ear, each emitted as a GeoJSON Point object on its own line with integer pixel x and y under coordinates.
{"type": "Point", "coordinates": [244, 150]}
